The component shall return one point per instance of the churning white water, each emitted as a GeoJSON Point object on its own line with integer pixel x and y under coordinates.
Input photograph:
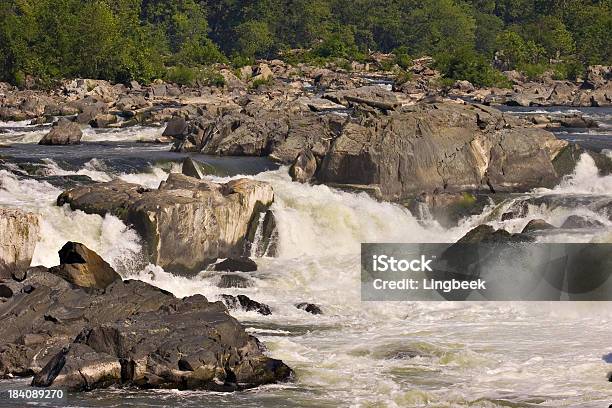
{"type": "Point", "coordinates": [368, 354]}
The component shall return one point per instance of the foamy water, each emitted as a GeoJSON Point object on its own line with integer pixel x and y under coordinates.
{"type": "Point", "coordinates": [364, 354]}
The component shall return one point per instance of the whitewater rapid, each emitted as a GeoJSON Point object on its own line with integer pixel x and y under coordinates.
{"type": "Point", "coordinates": [366, 354]}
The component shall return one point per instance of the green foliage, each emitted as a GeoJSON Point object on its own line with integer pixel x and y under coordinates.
{"type": "Point", "coordinates": [187, 76]}
{"type": "Point", "coordinates": [468, 65]}
{"type": "Point", "coordinates": [254, 39]}
{"type": "Point", "coordinates": [121, 40]}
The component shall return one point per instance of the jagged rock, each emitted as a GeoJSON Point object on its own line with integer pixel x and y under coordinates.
{"type": "Point", "coordinates": [83, 267]}
{"type": "Point", "coordinates": [537, 225]}
{"type": "Point", "coordinates": [245, 303]}
{"type": "Point", "coordinates": [234, 281]}
{"type": "Point", "coordinates": [19, 232]}
{"type": "Point", "coordinates": [63, 132]}
{"type": "Point", "coordinates": [310, 308]}
{"type": "Point", "coordinates": [374, 96]}
{"type": "Point", "coordinates": [131, 334]}
{"type": "Point", "coordinates": [446, 147]}
{"type": "Point", "coordinates": [304, 167]}
{"type": "Point", "coordinates": [242, 264]}
{"type": "Point", "coordinates": [177, 127]}
{"type": "Point", "coordinates": [577, 222]}
{"type": "Point", "coordinates": [187, 223]}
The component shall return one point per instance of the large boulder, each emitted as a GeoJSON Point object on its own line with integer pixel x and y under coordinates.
{"type": "Point", "coordinates": [81, 266]}
{"type": "Point", "coordinates": [440, 147]}
{"type": "Point", "coordinates": [19, 233]}
{"type": "Point", "coordinates": [130, 334]}
{"type": "Point", "coordinates": [187, 223]}
{"type": "Point", "coordinates": [63, 132]}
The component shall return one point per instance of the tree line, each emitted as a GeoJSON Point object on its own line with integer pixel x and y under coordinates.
{"type": "Point", "coordinates": [122, 40]}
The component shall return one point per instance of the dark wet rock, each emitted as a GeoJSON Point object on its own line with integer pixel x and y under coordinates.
{"type": "Point", "coordinates": [83, 267]}
{"type": "Point", "coordinates": [187, 224]}
{"type": "Point", "coordinates": [19, 234]}
{"type": "Point", "coordinates": [5, 291]}
{"type": "Point", "coordinates": [234, 281]}
{"type": "Point", "coordinates": [508, 216]}
{"type": "Point", "coordinates": [537, 225]}
{"type": "Point", "coordinates": [304, 167]}
{"type": "Point", "coordinates": [310, 308]}
{"type": "Point", "coordinates": [131, 334]}
{"type": "Point", "coordinates": [487, 234]}
{"type": "Point", "coordinates": [63, 132]}
{"type": "Point", "coordinates": [191, 344]}
{"type": "Point", "coordinates": [243, 302]}
{"type": "Point", "coordinates": [242, 264]}
{"type": "Point", "coordinates": [577, 222]}
{"type": "Point", "coordinates": [197, 169]}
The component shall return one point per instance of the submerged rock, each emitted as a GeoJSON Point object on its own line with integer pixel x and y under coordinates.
{"type": "Point", "coordinates": [186, 224]}
{"type": "Point", "coordinates": [197, 169]}
{"type": "Point", "coordinates": [234, 281]}
{"type": "Point", "coordinates": [83, 267]}
{"type": "Point", "coordinates": [242, 264]}
{"type": "Point", "coordinates": [310, 308]}
{"type": "Point", "coordinates": [537, 225]}
{"type": "Point", "coordinates": [577, 222]}
{"type": "Point", "coordinates": [63, 132]}
{"type": "Point", "coordinates": [19, 233]}
{"type": "Point", "coordinates": [245, 303]}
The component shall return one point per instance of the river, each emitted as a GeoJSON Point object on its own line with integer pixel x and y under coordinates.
{"type": "Point", "coordinates": [357, 354]}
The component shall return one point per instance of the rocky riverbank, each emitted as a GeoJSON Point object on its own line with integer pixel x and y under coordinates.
{"type": "Point", "coordinates": [79, 326]}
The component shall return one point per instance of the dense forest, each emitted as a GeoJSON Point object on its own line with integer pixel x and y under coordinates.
{"type": "Point", "coordinates": [121, 40]}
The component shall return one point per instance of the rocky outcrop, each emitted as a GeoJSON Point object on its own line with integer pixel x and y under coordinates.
{"type": "Point", "coordinates": [63, 132]}
{"type": "Point", "coordinates": [441, 147]}
{"type": "Point", "coordinates": [19, 233]}
{"type": "Point", "coordinates": [83, 267]}
{"type": "Point", "coordinates": [187, 223]}
{"type": "Point", "coordinates": [129, 334]}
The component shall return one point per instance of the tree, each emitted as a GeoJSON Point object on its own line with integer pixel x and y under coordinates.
{"type": "Point", "coordinates": [254, 39]}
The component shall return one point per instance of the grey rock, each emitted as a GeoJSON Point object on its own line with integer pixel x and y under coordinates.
{"type": "Point", "coordinates": [20, 232]}
{"type": "Point", "coordinates": [187, 223]}
{"type": "Point", "coordinates": [130, 334]}
{"type": "Point", "coordinates": [63, 132]}
{"type": "Point", "coordinates": [577, 222]}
